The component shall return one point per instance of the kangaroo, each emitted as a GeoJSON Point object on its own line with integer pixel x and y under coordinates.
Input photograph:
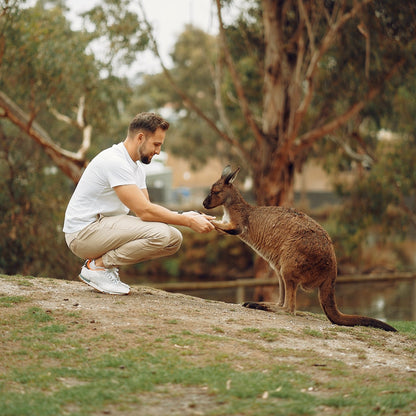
{"type": "Point", "coordinates": [296, 247]}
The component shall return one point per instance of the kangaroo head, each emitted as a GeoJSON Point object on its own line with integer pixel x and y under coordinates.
{"type": "Point", "coordinates": [220, 190]}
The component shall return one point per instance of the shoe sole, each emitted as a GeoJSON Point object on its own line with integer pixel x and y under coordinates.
{"type": "Point", "coordinates": [93, 285]}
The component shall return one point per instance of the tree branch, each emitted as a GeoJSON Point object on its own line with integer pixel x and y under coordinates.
{"type": "Point", "coordinates": [307, 139]}
{"type": "Point", "coordinates": [365, 159]}
{"type": "Point", "coordinates": [236, 80]}
{"type": "Point", "coordinates": [187, 99]}
{"type": "Point", "coordinates": [70, 163]}
{"type": "Point", "coordinates": [363, 30]}
{"type": "Point", "coordinates": [216, 74]}
{"type": "Point", "coordinates": [61, 117]}
{"type": "Point", "coordinates": [308, 25]}
{"type": "Point", "coordinates": [316, 58]}
{"type": "Point", "coordinates": [296, 86]}
{"type": "Point", "coordinates": [79, 123]}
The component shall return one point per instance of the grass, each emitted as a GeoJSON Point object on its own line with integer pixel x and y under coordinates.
{"type": "Point", "coordinates": [63, 377]}
{"type": "Point", "coordinates": [407, 327]}
{"type": "Point", "coordinates": [62, 374]}
{"type": "Point", "coordinates": [86, 387]}
{"type": "Point", "coordinates": [121, 378]}
{"type": "Point", "coordinates": [8, 301]}
{"type": "Point", "coordinates": [58, 363]}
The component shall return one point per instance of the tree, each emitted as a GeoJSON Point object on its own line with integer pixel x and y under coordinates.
{"type": "Point", "coordinates": [305, 54]}
{"type": "Point", "coordinates": [48, 78]}
{"type": "Point", "coordinates": [48, 74]}
{"type": "Point", "coordinates": [31, 205]}
{"type": "Point", "coordinates": [192, 72]}
{"type": "Point", "coordinates": [286, 74]}
{"type": "Point", "coordinates": [320, 65]}
{"type": "Point", "coordinates": [381, 201]}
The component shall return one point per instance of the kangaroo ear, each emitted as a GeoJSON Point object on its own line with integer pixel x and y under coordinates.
{"type": "Point", "coordinates": [226, 172]}
{"type": "Point", "coordinates": [231, 176]}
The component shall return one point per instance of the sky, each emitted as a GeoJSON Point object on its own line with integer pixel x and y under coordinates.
{"type": "Point", "coordinates": [168, 17]}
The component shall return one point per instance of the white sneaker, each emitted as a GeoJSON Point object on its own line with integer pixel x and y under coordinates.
{"type": "Point", "coordinates": [103, 280]}
{"type": "Point", "coordinates": [114, 270]}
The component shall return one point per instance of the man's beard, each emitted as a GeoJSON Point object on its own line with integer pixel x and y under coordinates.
{"type": "Point", "coordinates": [146, 159]}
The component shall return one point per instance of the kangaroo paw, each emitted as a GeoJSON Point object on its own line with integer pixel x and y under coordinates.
{"type": "Point", "coordinates": [263, 306]}
{"type": "Point", "coordinates": [226, 227]}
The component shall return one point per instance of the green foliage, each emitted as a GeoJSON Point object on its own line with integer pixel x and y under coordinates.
{"type": "Point", "coordinates": [193, 56]}
{"type": "Point", "coordinates": [31, 207]}
{"type": "Point", "coordinates": [114, 24]}
{"type": "Point", "coordinates": [41, 47]}
{"type": "Point", "coordinates": [347, 72]}
{"type": "Point", "coordinates": [381, 202]}
{"type": "Point", "coordinates": [44, 65]}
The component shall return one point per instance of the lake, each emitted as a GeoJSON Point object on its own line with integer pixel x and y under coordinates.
{"type": "Point", "coordinates": [385, 300]}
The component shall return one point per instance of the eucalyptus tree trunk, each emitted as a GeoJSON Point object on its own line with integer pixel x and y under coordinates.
{"type": "Point", "coordinates": [274, 166]}
{"type": "Point", "coordinates": [295, 45]}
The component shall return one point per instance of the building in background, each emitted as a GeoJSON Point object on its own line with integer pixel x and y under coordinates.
{"type": "Point", "coordinates": [171, 181]}
{"type": "Point", "coordinates": [159, 179]}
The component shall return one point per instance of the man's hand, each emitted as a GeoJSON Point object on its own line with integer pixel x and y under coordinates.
{"type": "Point", "coordinates": [200, 223]}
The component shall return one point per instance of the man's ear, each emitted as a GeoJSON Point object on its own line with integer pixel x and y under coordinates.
{"type": "Point", "coordinates": [140, 137]}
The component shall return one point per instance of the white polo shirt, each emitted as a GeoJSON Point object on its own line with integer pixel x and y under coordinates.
{"type": "Point", "coordinates": [94, 194]}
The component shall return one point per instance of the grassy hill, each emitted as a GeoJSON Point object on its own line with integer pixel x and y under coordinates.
{"type": "Point", "coordinates": [67, 350]}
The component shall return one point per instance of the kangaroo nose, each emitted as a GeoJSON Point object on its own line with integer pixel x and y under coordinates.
{"type": "Point", "coordinates": [206, 202]}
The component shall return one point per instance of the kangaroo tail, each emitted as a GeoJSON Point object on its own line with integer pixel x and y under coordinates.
{"type": "Point", "coordinates": [329, 306]}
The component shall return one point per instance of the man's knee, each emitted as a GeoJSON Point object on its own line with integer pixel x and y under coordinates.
{"type": "Point", "coordinates": [176, 239]}
{"type": "Point", "coordinates": [166, 236]}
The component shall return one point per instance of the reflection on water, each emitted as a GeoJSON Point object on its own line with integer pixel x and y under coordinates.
{"type": "Point", "coordinates": [381, 300]}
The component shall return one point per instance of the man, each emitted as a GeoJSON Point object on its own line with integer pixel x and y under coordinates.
{"type": "Point", "coordinates": [97, 227]}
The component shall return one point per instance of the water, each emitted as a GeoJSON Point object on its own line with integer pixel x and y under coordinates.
{"type": "Point", "coordinates": [392, 300]}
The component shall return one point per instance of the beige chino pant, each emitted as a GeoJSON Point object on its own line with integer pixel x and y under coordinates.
{"type": "Point", "coordinates": [125, 239]}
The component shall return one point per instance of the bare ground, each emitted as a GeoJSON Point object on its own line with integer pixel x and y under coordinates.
{"type": "Point", "coordinates": [301, 338]}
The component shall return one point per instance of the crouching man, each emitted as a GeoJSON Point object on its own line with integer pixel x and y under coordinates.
{"type": "Point", "coordinates": [97, 227]}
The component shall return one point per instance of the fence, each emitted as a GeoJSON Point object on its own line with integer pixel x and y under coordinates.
{"type": "Point", "coordinates": [241, 284]}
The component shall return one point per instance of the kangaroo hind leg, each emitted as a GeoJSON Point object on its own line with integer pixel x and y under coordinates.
{"type": "Point", "coordinates": [289, 305]}
{"type": "Point", "coordinates": [263, 306]}
{"type": "Point", "coordinates": [291, 287]}
{"type": "Point", "coordinates": [282, 291]}
{"type": "Point", "coordinates": [270, 306]}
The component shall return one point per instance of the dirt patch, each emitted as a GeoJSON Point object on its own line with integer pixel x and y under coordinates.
{"type": "Point", "coordinates": [309, 342]}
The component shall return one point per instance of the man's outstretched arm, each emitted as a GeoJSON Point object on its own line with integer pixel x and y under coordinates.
{"type": "Point", "coordinates": [135, 199]}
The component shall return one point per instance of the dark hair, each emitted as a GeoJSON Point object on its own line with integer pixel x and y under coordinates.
{"type": "Point", "coordinates": [147, 121]}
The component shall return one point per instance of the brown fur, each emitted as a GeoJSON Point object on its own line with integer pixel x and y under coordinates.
{"type": "Point", "coordinates": [297, 248]}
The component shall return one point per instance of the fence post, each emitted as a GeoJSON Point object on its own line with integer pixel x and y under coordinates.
{"type": "Point", "coordinates": [240, 294]}
{"type": "Point", "coordinates": [413, 300]}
